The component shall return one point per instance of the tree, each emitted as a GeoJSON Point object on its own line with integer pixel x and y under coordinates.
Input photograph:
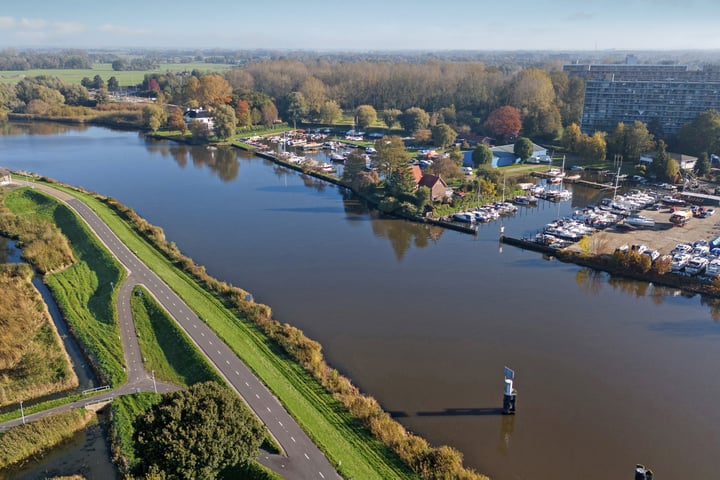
{"type": "Point", "coordinates": [196, 433]}
{"type": "Point", "coordinates": [638, 140]}
{"type": "Point", "coordinates": [224, 121]}
{"type": "Point", "coordinates": [446, 167]}
{"type": "Point", "coordinates": [523, 148]}
{"type": "Point", "coordinates": [112, 84]}
{"type": "Point", "coordinates": [443, 136]}
{"type": "Point", "coordinates": [482, 155]}
{"type": "Point", "coordinates": [176, 121]}
{"type": "Point", "coordinates": [313, 90]}
{"type": "Point", "coordinates": [153, 117]}
{"type": "Point", "coordinates": [702, 166]}
{"type": "Point", "coordinates": [119, 65]}
{"type": "Point", "coordinates": [414, 119]}
{"type": "Point", "coordinates": [101, 96]}
{"type": "Point", "coordinates": [330, 112]}
{"type": "Point", "coordinates": [659, 165]}
{"type": "Point", "coordinates": [269, 114]}
{"type": "Point", "coordinates": [366, 116]}
{"type": "Point", "coordinates": [616, 140]}
{"type": "Point", "coordinates": [98, 82]}
{"type": "Point", "coordinates": [505, 122]}
{"type": "Point", "coordinates": [391, 116]}
{"type": "Point", "coordinates": [199, 131]}
{"type": "Point", "coordinates": [571, 137]}
{"type": "Point", "coordinates": [296, 108]}
{"type": "Point", "coordinates": [214, 90]}
{"type": "Point", "coordinates": [242, 114]}
{"type": "Point", "coordinates": [354, 164]}
{"type": "Point", "coordinates": [593, 148]}
{"type": "Point", "coordinates": [391, 155]}
{"type": "Point", "coordinates": [701, 135]}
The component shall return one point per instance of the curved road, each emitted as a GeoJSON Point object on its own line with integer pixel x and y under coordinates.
{"type": "Point", "coordinates": [303, 459]}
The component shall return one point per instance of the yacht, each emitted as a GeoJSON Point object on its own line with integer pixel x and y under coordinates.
{"type": "Point", "coordinates": [696, 265]}
{"type": "Point", "coordinates": [640, 221]}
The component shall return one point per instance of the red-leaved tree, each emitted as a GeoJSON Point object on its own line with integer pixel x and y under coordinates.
{"type": "Point", "coordinates": [505, 122]}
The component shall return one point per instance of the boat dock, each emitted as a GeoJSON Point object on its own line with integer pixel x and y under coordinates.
{"type": "Point", "coordinates": [575, 180]}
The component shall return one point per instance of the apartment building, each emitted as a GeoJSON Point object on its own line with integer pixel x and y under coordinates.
{"type": "Point", "coordinates": [668, 96]}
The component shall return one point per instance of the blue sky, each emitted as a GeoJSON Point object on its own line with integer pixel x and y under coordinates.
{"type": "Point", "coordinates": [364, 25]}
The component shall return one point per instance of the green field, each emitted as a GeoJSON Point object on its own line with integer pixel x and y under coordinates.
{"type": "Point", "coordinates": [105, 71]}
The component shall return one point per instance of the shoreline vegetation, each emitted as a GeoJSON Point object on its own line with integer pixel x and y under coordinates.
{"type": "Point", "coordinates": [412, 453]}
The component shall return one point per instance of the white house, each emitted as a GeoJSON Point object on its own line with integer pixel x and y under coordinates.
{"type": "Point", "coordinates": [201, 115]}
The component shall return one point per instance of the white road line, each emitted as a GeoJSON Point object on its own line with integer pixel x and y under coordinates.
{"type": "Point", "coordinates": [306, 456]}
{"type": "Point", "coordinates": [227, 361]}
{"type": "Point", "coordinates": [194, 326]}
{"type": "Point", "coordinates": [246, 383]}
{"type": "Point", "coordinates": [280, 423]}
{"type": "Point", "coordinates": [320, 473]}
{"type": "Point", "coordinates": [268, 409]}
{"type": "Point", "coordinates": [238, 373]}
{"type": "Point", "coordinates": [292, 438]}
{"type": "Point", "coordinates": [258, 396]}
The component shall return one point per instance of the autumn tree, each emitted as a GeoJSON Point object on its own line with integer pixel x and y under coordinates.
{"type": "Point", "coordinates": [153, 117]}
{"type": "Point", "coordinates": [481, 155]}
{"type": "Point", "coordinates": [523, 148]}
{"type": "Point", "coordinates": [366, 115]}
{"type": "Point", "coordinates": [313, 90]}
{"type": "Point", "coordinates": [443, 136]}
{"type": "Point", "coordinates": [196, 433]}
{"type": "Point", "coordinates": [446, 168]}
{"type": "Point", "coordinates": [242, 114]}
{"type": "Point", "coordinates": [214, 90]}
{"type": "Point", "coordinates": [200, 131]}
{"type": "Point", "coordinates": [225, 121]}
{"type": "Point", "coordinates": [330, 112]}
{"type": "Point", "coordinates": [572, 137]}
{"type": "Point", "coordinates": [176, 121]}
{"type": "Point", "coordinates": [414, 119]}
{"type": "Point", "coordinates": [505, 122]}
{"type": "Point", "coordinates": [593, 148]}
{"type": "Point", "coordinates": [532, 93]}
{"type": "Point", "coordinates": [269, 114]}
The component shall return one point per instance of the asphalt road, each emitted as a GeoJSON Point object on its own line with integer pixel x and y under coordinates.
{"type": "Point", "coordinates": [302, 459]}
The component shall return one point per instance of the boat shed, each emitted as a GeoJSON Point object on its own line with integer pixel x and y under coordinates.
{"type": "Point", "coordinates": [504, 155]}
{"type": "Point", "coordinates": [700, 198]}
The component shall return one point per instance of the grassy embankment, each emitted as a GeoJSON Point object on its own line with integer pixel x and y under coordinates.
{"type": "Point", "coordinates": [329, 424]}
{"type": "Point", "coordinates": [85, 291]}
{"type": "Point", "coordinates": [32, 360]}
{"type": "Point", "coordinates": [125, 78]}
{"type": "Point", "coordinates": [26, 441]}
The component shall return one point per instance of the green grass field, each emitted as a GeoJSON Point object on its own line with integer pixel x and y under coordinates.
{"type": "Point", "coordinates": [125, 78]}
{"type": "Point", "coordinates": [85, 291]}
{"type": "Point", "coordinates": [165, 348]}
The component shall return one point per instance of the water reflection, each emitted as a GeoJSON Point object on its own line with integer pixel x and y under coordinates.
{"type": "Point", "coordinates": [221, 161]}
{"type": "Point", "coordinates": [39, 128]}
{"type": "Point", "coordinates": [403, 235]}
{"type": "Point", "coordinates": [507, 427]}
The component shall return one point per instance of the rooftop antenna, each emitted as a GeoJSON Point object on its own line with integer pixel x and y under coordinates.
{"type": "Point", "coordinates": [510, 394]}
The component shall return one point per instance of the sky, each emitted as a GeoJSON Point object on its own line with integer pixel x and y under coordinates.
{"type": "Point", "coordinates": [364, 25]}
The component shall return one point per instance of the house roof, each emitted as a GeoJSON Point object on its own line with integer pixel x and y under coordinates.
{"type": "Point", "coordinates": [429, 180]}
{"type": "Point", "coordinates": [510, 148]}
{"type": "Point", "coordinates": [416, 173]}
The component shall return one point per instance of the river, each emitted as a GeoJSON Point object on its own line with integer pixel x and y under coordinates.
{"type": "Point", "coordinates": [609, 372]}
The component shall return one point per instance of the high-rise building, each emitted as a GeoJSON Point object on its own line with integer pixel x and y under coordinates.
{"type": "Point", "coordinates": [663, 96]}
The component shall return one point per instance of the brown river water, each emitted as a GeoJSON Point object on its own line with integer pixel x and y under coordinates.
{"type": "Point", "coordinates": [610, 372]}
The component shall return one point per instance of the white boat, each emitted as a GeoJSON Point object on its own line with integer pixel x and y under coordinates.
{"type": "Point", "coordinates": [696, 265]}
{"type": "Point", "coordinates": [464, 217]}
{"type": "Point", "coordinates": [640, 221]}
{"type": "Point", "coordinates": [679, 261]}
{"type": "Point", "coordinates": [337, 157]}
{"type": "Point", "coordinates": [713, 268]}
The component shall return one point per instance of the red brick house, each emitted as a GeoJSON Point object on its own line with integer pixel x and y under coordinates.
{"type": "Point", "coordinates": [438, 187]}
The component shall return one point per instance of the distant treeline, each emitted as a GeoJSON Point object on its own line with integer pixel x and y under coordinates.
{"type": "Point", "coordinates": [73, 60]}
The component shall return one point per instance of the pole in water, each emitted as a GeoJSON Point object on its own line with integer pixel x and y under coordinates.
{"type": "Point", "coordinates": [642, 473]}
{"type": "Point", "coordinates": [510, 394]}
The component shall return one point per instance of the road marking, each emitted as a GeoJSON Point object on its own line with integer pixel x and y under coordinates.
{"type": "Point", "coordinates": [306, 456]}
{"type": "Point", "coordinates": [323, 476]}
{"type": "Point", "coordinates": [258, 396]}
{"type": "Point", "coordinates": [210, 342]}
{"type": "Point", "coordinates": [292, 438]}
{"type": "Point", "coordinates": [246, 383]}
{"type": "Point", "coordinates": [202, 333]}
{"type": "Point", "coordinates": [268, 409]}
{"type": "Point", "coordinates": [280, 423]}
{"type": "Point", "coordinates": [227, 361]}
{"type": "Point", "coordinates": [194, 326]}
{"type": "Point", "coordinates": [238, 373]}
